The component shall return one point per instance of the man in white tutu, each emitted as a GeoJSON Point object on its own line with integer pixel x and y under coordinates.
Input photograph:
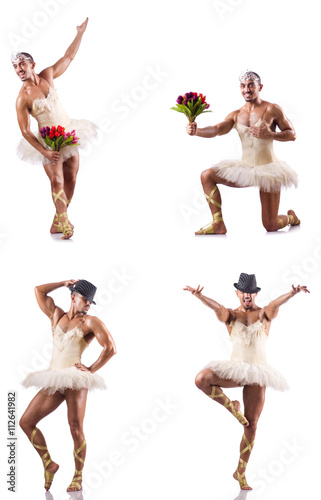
{"type": "Point", "coordinates": [256, 122]}
{"type": "Point", "coordinates": [67, 378]}
{"type": "Point", "coordinates": [38, 98]}
{"type": "Point", "coordinates": [248, 327]}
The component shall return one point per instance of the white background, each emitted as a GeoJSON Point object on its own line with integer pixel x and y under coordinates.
{"type": "Point", "coordinates": [138, 202]}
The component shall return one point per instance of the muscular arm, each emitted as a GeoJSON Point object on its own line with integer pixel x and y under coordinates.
{"type": "Point", "coordinates": [287, 132]}
{"type": "Point", "coordinates": [222, 313]}
{"type": "Point", "coordinates": [272, 309]}
{"type": "Point", "coordinates": [22, 106]}
{"type": "Point", "coordinates": [220, 129]}
{"type": "Point", "coordinates": [105, 340]}
{"type": "Point", "coordinates": [62, 64]}
{"type": "Point", "coordinates": [45, 302]}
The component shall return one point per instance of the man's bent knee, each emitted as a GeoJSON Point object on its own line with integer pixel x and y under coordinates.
{"type": "Point", "coordinates": [207, 176]}
{"type": "Point", "coordinates": [271, 225]}
{"type": "Point", "coordinates": [202, 379]}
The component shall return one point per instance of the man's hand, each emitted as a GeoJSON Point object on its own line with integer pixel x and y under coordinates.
{"type": "Point", "coordinates": [53, 156]}
{"type": "Point", "coordinates": [69, 283]}
{"type": "Point", "coordinates": [81, 367]}
{"type": "Point", "coordinates": [261, 132]}
{"type": "Point", "coordinates": [82, 28]}
{"type": "Point", "coordinates": [299, 288]}
{"type": "Point", "coordinates": [195, 291]}
{"type": "Point", "coordinates": [191, 128]}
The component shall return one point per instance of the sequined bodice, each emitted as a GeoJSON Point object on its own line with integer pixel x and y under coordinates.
{"type": "Point", "coordinates": [248, 342]}
{"type": "Point", "coordinates": [67, 347]}
{"type": "Point", "coordinates": [255, 151]}
{"type": "Point", "coordinates": [48, 111]}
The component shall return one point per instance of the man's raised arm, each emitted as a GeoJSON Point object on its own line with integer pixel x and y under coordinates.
{"type": "Point", "coordinates": [272, 309]}
{"type": "Point", "coordinates": [45, 302]}
{"type": "Point", "coordinates": [62, 64]}
{"type": "Point", "coordinates": [221, 312]}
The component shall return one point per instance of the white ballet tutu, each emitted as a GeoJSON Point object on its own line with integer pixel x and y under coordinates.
{"type": "Point", "coordinates": [66, 378]}
{"type": "Point", "coordinates": [269, 177]}
{"type": "Point", "coordinates": [249, 374]}
{"type": "Point", "coordinates": [86, 131]}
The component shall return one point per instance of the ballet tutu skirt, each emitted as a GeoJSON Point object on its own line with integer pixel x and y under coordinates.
{"type": "Point", "coordinates": [49, 112]}
{"type": "Point", "coordinates": [60, 380]}
{"type": "Point", "coordinates": [248, 364]}
{"type": "Point", "coordinates": [259, 165]}
{"type": "Point", "coordinates": [249, 374]}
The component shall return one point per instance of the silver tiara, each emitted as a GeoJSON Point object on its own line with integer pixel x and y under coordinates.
{"type": "Point", "coordinates": [19, 56]}
{"type": "Point", "coordinates": [248, 75]}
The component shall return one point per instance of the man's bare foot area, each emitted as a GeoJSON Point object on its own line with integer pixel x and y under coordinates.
{"type": "Point", "coordinates": [213, 228]}
{"type": "Point", "coordinates": [240, 417]}
{"type": "Point", "coordinates": [243, 484]}
{"type": "Point", "coordinates": [56, 226]}
{"type": "Point", "coordinates": [76, 483]}
{"type": "Point", "coordinates": [74, 488]}
{"type": "Point", "coordinates": [49, 474]}
{"type": "Point", "coordinates": [296, 220]}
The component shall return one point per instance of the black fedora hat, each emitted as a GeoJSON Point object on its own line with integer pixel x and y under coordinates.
{"type": "Point", "coordinates": [247, 283]}
{"type": "Point", "coordinates": [84, 288]}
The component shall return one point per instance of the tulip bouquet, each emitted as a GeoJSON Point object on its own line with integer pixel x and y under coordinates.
{"type": "Point", "coordinates": [56, 137]}
{"type": "Point", "coordinates": [192, 105]}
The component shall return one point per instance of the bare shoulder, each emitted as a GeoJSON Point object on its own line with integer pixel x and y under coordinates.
{"type": "Point", "coordinates": [23, 99]}
{"type": "Point", "coordinates": [47, 75]}
{"type": "Point", "coordinates": [58, 314]}
{"type": "Point", "coordinates": [263, 313]}
{"type": "Point", "coordinates": [232, 315]}
{"type": "Point", "coordinates": [274, 110]}
{"type": "Point", "coordinates": [233, 116]}
{"type": "Point", "coordinates": [92, 322]}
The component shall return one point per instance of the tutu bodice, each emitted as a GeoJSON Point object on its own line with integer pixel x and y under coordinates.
{"type": "Point", "coordinates": [67, 347]}
{"type": "Point", "coordinates": [248, 342]}
{"type": "Point", "coordinates": [48, 111]}
{"type": "Point", "coordinates": [255, 151]}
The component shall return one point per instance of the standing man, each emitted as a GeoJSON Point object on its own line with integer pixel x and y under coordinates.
{"type": "Point", "coordinates": [256, 123]}
{"type": "Point", "coordinates": [38, 98]}
{"type": "Point", "coordinates": [248, 326]}
{"type": "Point", "coordinates": [67, 378]}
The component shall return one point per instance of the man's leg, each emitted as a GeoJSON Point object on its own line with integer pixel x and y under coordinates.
{"type": "Point", "coordinates": [70, 171]}
{"type": "Point", "coordinates": [76, 404]}
{"type": "Point", "coordinates": [41, 406]}
{"type": "Point", "coordinates": [55, 174]}
{"type": "Point", "coordinates": [210, 179]}
{"type": "Point", "coordinates": [253, 398]}
{"type": "Point", "coordinates": [211, 385]}
{"type": "Point", "coordinates": [271, 220]}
